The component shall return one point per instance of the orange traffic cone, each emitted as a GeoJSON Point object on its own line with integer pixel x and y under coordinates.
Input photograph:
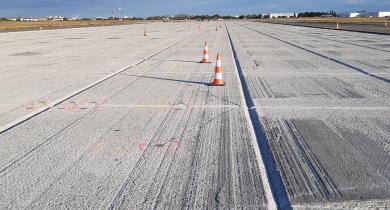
{"type": "Point", "coordinates": [218, 81]}
{"type": "Point", "coordinates": [337, 25]}
{"type": "Point", "coordinates": [205, 54]}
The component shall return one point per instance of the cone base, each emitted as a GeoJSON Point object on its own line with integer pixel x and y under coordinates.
{"type": "Point", "coordinates": [218, 84]}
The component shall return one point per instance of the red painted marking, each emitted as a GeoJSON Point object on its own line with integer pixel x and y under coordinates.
{"type": "Point", "coordinates": [141, 147]}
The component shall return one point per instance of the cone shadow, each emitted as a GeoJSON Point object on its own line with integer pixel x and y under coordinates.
{"type": "Point", "coordinates": [174, 80]}
{"type": "Point", "coordinates": [172, 60]}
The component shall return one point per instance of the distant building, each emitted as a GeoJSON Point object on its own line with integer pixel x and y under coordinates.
{"type": "Point", "coordinates": [283, 15]}
{"type": "Point", "coordinates": [263, 15]}
{"type": "Point", "coordinates": [29, 19]}
{"type": "Point", "coordinates": [55, 18]}
{"type": "Point", "coordinates": [368, 14]}
{"type": "Point", "coordinates": [353, 14]}
{"type": "Point", "coordinates": [361, 14]}
{"type": "Point", "coordinates": [167, 19]}
{"type": "Point", "coordinates": [279, 15]}
{"type": "Point", "coordinates": [383, 14]}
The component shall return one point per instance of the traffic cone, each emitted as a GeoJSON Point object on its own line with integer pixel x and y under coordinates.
{"type": "Point", "coordinates": [205, 54]}
{"type": "Point", "coordinates": [337, 26]}
{"type": "Point", "coordinates": [218, 81]}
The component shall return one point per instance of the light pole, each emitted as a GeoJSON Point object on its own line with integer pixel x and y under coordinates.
{"type": "Point", "coordinates": [113, 12]}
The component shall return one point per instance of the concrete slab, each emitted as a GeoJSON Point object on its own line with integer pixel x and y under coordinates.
{"type": "Point", "coordinates": [154, 136]}
{"type": "Point", "coordinates": [327, 125]}
{"type": "Point", "coordinates": [28, 81]}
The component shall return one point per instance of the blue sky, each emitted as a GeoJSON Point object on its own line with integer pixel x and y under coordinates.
{"type": "Point", "coordinates": [94, 8]}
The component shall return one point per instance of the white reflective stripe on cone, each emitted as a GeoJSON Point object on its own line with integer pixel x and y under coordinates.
{"type": "Point", "coordinates": [218, 62]}
{"type": "Point", "coordinates": [218, 75]}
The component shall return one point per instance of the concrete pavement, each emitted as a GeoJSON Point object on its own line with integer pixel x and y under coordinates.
{"type": "Point", "coordinates": [156, 135]}
{"type": "Point", "coordinates": [325, 120]}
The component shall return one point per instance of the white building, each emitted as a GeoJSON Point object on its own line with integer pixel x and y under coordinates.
{"type": "Point", "coordinates": [55, 18]}
{"type": "Point", "coordinates": [29, 19]}
{"type": "Point", "coordinates": [368, 14]}
{"type": "Point", "coordinates": [353, 14]}
{"type": "Point", "coordinates": [283, 15]}
{"type": "Point", "coordinates": [383, 14]}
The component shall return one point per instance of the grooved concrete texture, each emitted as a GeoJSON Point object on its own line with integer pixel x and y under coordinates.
{"type": "Point", "coordinates": [154, 136]}
{"type": "Point", "coordinates": [327, 122]}
{"type": "Point", "coordinates": [158, 136]}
